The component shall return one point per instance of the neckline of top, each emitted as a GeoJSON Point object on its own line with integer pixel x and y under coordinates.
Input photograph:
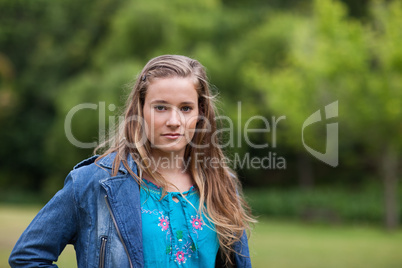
{"type": "Point", "coordinates": [153, 186]}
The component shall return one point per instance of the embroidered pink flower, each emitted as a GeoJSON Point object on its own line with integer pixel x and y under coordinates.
{"type": "Point", "coordinates": [163, 223]}
{"type": "Point", "coordinates": [196, 222]}
{"type": "Point", "coordinates": [180, 258]}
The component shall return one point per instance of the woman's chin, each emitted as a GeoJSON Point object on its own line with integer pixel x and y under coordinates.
{"type": "Point", "coordinates": [171, 149]}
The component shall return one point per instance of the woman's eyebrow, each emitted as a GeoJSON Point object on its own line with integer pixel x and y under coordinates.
{"type": "Point", "coordinates": [159, 101]}
{"type": "Point", "coordinates": [187, 103]}
{"type": "Point", "coordinates": [182, 103]}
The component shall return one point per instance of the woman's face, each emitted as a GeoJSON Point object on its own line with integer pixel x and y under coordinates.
{"type": "Point", "coordinates": [170, 114]}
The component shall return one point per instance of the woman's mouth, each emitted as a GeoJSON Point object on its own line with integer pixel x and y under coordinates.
{"type": "Point", "coordinates": [172, 135]}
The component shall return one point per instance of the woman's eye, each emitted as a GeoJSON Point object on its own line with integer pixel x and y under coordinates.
{"type": "Point", "coordinates": [186, 108]}
{"type": "Point", "coordinates": [160, 108]}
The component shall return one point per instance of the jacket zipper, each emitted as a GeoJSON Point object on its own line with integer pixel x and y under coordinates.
{"type": "Point", "coordinates": [102, 252]}
{"type": "Point", "coordinates": [118, 230]}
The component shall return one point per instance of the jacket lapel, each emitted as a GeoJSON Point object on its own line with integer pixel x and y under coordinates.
{"type": "Point", "coordinates": [123, 196]}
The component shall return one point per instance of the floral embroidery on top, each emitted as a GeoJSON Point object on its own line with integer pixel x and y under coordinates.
{"type": "Point", "coordinates": [180, 257]}
{"type": "Point", "coordinates": [196, 222]}
{"type": "Point", "coordinates": [193, 247]}
{"type": "Point", "coordinates": [182, 233]}
{"type": "Point", "coordinates": [168, 249]}
{"type": "Point", "coordinates": [179, 235]}
{"type": "Point", "coordinates": [164, 222]}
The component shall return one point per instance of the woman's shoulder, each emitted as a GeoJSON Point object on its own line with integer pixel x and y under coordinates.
{"type": "Point", "coordinates": [87, 169]}
{"type": "Point", "coordinates": [93, 176]}
{"type": "Point", "coordinates": [86, 162]}
{"type": "Point", "coordinates": [97, 167]}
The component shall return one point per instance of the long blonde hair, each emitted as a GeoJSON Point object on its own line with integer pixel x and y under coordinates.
{"type": "Point", "coordinates": [220, 191]}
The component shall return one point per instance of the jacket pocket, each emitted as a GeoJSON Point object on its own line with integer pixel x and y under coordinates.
{"type": "Point", "coordinates": [102, 252]}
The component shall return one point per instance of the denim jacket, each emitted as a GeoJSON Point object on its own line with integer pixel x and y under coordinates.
{"type": "Point", "coordinates": [100, 215]}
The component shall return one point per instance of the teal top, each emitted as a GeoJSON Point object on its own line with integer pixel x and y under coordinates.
{"type": "Point", "coordinates": [174, 234]}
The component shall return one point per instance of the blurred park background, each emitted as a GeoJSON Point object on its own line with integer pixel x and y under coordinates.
{"type": "Point", "coordinates": [277, 58]}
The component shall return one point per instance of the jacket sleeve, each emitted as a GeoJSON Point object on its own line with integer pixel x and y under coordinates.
{"type": "Point", "coordinates": [242, 255]}
{"type": "Point", "coordinates": [51, 230]}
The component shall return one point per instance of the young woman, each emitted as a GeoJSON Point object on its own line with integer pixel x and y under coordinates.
{"type": "Point", "coordinates": [161, 194]}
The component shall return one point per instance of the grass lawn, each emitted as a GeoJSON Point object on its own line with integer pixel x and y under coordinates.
{"type": "Point", "coordinates": [13, 221]}
{"type": "Point", "coordinates": [274, 244]}
{"type": "Point", "coordinates": [280, 244]}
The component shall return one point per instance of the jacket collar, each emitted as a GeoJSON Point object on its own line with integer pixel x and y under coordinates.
{"type": "Point", "coordinates": [107, 162]}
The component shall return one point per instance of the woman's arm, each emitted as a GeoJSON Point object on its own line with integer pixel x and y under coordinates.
{"type": "Point", "coordinates": [242, 256]}
{"type": "Point", "coordinates": [51, 230]}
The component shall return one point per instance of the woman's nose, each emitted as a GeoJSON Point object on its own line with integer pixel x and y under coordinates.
{"type": "Point", "coordinates": [174, 119]}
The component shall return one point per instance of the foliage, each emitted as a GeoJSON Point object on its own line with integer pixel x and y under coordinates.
{"type": "Point", "coordinates": [333, 59]}
{"type": "Point", "coordinates": [279, 58]}
{"type": "Point", "coordinates": [334, 204]}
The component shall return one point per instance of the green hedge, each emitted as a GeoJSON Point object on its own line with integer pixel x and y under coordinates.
{"type": "Point", "coordinates": [334, 205]}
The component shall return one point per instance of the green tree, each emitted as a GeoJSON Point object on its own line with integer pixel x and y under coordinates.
{"type": "Point", "coordinates": [333, 58]}
{"type": "Point", "coordinates": [44, 43]}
